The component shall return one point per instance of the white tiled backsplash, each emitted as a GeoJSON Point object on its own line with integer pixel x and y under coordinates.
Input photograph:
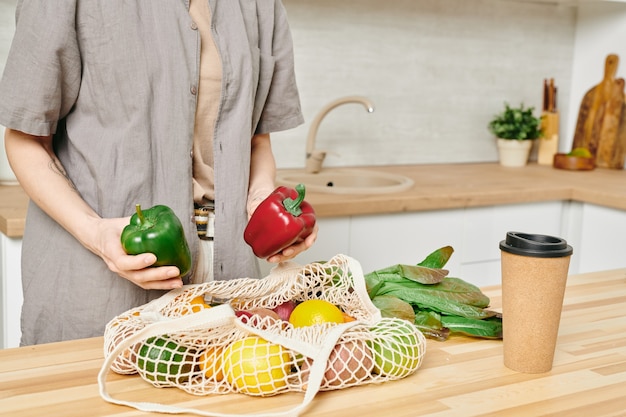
{"type": "Point", "coordinates": [437, 71]}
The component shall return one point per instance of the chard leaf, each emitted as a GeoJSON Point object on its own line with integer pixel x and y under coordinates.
{"type": "Point", "coordinates": [421, 274]}
{"type": "Point", "coordinates": [464, 291]}
{"type": "Point", "coordinates": [429, 323]}
{"type": "Point", "coordinates": [453, 289]}
{"type": "Point", "coordinates": [490, 328]}
{"type": "Point", "coordinates": [434, 298]}
{"type": "Point", "coordinates": [373, 283]}
{"type": "Point", "coordinates": [391, 306]}
{"type": "Point", "coordinates": [438, 259]}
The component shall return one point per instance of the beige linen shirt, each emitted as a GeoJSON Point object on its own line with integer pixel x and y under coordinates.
{"type": "Point", "coordinates": [209, 91]}
{"type": "Point", "coordinates": [116, 83]}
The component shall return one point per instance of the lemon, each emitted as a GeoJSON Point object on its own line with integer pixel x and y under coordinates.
{"type": "Point", "coordinates": [255, 366]}
{"type": "Point", "coordinates": [162, 360]}
{"type": "Point", "coordinates": [312, 312]}
{"type": "Point", "coordinates": [580, 152]}
{"type": "Point", "coordinates": [396, 349]}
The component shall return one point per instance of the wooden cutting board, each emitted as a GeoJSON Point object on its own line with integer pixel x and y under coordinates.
{"type": "Point", "coordinates": [601, 125]}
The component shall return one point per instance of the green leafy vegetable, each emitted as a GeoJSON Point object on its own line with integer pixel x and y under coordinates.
{"type": "Point", "coordinates": [429, 322]}
{"type": "Point", "coordinates": [424, 275]}
{"type": "Point", "coordinates": [438, 259]}
{"type": "Point", "coordinates": [391, 306]}
{"type": "Point", "coordinates": [490, 328]}
{"type": "Point", "coordinates": [441, 304]}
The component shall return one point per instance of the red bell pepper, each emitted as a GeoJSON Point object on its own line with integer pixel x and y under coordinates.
{"type": "Point", "coordinates": [281, 220]}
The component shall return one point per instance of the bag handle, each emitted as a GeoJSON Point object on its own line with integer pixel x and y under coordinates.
{"type": "Point", "coordinates": [218, 316]}
{"type": "Point", "coordinates": [360, 287]}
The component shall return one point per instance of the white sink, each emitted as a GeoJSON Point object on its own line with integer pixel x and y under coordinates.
{"type": "Point", "coordinates": [346, 181]}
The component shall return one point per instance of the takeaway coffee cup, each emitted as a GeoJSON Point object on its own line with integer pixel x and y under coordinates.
{"type": "Point", "coordinates": [534, 273]}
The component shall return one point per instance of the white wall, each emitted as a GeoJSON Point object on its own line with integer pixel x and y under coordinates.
{"type": "Point", "coordinates": [600, 30]}
{"type": "Point", "coordinates": [437, 70]}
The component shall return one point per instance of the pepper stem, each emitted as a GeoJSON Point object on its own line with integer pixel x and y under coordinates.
{"type": "Point", "coordinates": [140, 215]}
{"type": "Point", "coordinates": [293, 206]}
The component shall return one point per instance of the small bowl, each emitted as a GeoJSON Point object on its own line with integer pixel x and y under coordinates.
{"type": "Point", "coordinates": [573, 163]}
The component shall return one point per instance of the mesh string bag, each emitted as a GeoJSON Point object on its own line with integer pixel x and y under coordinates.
{"type": "Point", "coordinates": [193, 339]}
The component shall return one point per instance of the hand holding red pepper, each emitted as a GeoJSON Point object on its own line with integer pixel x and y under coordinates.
{"type": "Point", "coordinates": [281, 220]}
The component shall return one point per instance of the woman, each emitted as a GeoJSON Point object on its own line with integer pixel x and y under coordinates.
{"type": "Point", "coordinates": [110, 104]}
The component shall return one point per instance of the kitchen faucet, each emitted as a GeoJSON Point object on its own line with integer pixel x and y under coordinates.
{"type": "Point", "coordinates": [315, 157]}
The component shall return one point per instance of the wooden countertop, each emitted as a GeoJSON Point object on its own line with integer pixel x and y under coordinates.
{"type": "Point", "coordinates": [13, 205]}
{"type": "Point", "coordinates": [450, 186]}
{"type": "Point", "coordinates": [441, 186]}
{"type": "Point", "coordinates": [459, 377]}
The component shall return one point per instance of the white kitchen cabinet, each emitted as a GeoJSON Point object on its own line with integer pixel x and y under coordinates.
{"type": "Point", "coordinates": [407, 238]}
{"type": "Point", "coordinates": [485, 227]}
{"type": "Point", "coordinates": [10, 291]}
{"type": "Point", "coordinates": [602, 243]}
{"type": "Point", "coordinates": [333, 238]}
{"type": "Point", "coordinates": [474, 233]}
{"type": "Point", "coordinates": [378, 241]}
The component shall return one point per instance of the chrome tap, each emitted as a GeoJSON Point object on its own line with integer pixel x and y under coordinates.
{"type": "Point", "coordinates": [315, 157]}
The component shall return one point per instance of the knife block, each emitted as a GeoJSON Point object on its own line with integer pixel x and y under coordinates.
{"type": "Point", "coordinates": [549, 142]}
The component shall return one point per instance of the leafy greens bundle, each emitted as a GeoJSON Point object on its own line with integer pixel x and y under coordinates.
{"type": "Point", "coordinates": [438, 305]}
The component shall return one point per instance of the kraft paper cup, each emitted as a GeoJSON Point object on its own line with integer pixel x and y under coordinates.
{"type": "Point", "coordinates": [534, 273]}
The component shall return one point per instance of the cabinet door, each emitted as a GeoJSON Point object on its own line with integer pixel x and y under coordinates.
{"type": "Point", "coordinates": [332, 239]}
{"type": "Point", "coordinates": [406, 238]}
{"type": "Point", "coordinates": [10, 291]}
{"type": "Point", "coordinates": [474, 233]}
{"type": "Point", "coordinates": [602, 242]}
{"type": "Point", "coordinates": [485, 227]}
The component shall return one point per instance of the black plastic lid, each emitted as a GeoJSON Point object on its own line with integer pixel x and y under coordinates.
{"type": "Point", "coordinates": [538, 246]}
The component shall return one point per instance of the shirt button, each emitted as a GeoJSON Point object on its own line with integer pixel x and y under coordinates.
{"type": "Point", "coordinates": [194, 90]}
{"type": "Point", "coordinates": [194, 26]}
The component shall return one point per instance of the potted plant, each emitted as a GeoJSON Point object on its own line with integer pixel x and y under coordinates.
{"type": "Point", "coordinates": [515, 129]}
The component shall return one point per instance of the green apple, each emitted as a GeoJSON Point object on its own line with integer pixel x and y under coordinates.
{"type": "Point", "coordinates": [395, 348]}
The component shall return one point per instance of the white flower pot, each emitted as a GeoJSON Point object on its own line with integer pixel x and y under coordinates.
{"type": "Point", "coordinates": [514, 153]}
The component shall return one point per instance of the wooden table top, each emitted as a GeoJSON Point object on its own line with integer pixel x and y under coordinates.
{"type": "Point", "coordinates": [459, 377]}
{"type": "Point", "coordinates": [440, 186]}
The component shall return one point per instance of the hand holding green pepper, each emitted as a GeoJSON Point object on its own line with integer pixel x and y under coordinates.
{"type": "Point", "coordinates": [281, 220]}
{"type": "Point", "coordinates": [159, 231]}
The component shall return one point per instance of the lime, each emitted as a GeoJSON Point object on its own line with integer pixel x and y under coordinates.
{"type": "Point", "coordinates": [162, 360]}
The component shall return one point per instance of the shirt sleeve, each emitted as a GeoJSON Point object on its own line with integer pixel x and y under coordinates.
{"type": "Point", "coordinates": [282, 108]}
{"type": "Point", "coordinates": [42, 75]}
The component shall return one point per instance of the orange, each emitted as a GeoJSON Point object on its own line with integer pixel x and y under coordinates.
{"type": "Point", "coordinates": [348, 318]}
{"type": "Point", "coordinates": [195, 304]}
{"type": "Point", "coordinates": [210, 363]}
{"type": "Point", "coordinates": [255, 366]}
{"type": "Point", "coordinates": [312, 312]}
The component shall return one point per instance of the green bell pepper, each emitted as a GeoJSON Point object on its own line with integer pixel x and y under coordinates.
{"type": "Point", "coordinates": [159, 231]}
